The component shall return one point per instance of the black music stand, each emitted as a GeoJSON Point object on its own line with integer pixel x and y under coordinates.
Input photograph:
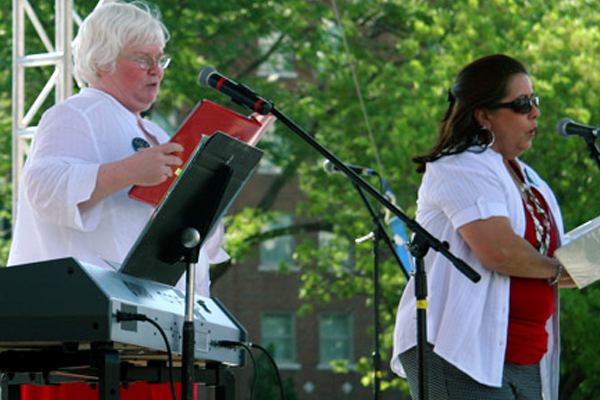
{"type": "Point", "coordinates": [205, 189]}
{"type": "Point", "coordinates": [185, 218]}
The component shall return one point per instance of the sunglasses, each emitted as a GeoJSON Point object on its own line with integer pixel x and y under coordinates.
{"type": "Point", "coordinates": [522, 105]}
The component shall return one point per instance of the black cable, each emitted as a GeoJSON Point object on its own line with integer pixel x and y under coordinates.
{"type": "Point", "coordinates": [124, 316]}
{"type": "Point", "coordinates": [254, 378]}
{"type": "Point", "coordinates": [274, 366]}
{"type": "Point", "coordinates": [229, 343]}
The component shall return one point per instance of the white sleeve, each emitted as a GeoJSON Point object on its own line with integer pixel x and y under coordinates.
{"type": "Point", "coordinates": [62, 168]}
{"type": "Point", "coordinates": [213, 245]}
{"type": "Point", "coordinates": [466, 190]}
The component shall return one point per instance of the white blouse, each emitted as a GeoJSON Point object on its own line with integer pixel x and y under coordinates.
{"type": "Point", "coordinates": [73, 139]}
{"type": "Point", "coordinates": [468, 322]}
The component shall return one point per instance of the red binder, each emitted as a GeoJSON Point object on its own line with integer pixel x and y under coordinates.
{"type": "Point", "coordinates": [206, 119]}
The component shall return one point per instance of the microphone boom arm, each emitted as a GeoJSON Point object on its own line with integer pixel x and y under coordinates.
{"type": "Point", "coordinates": [593, 149]}
{"type": "Point", "coordinates": [426, 238]}
{"type": "Point", "coordinates": [419, 246]}
{"type": "Point", "coordinates": [249, 99]}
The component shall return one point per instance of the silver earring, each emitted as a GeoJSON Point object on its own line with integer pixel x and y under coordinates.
{"type": "Point", "coordinates": [491, 133]}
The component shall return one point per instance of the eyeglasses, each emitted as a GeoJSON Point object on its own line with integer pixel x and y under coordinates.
{"type": "Point", "coordinates": [146, 62]}
{"type": "Point", "coordinates": [522, 105]}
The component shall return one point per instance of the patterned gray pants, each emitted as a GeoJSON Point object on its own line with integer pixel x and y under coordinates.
{"type": "Point", "coordinates": [520, 382]}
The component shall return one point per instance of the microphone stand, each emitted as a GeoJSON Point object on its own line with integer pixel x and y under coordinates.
{"type": "Point", "coordinates": [190, 239]}
{"type": "Point", "coordinates": [421, 244]}
{"type": "Point", "coordinates": [355, 178]}
{"type": "Point", "coordinates": [590, 140]}
{"type": "Point", "coordinates": [376, 235]}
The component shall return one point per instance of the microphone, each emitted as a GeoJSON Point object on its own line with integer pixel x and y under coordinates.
{"type": "Point", "coordinates": [240, 94]}
{"type": "Point", "coordinates": [330, 169]}
{"type": "Point", "coordinates": [567, 127]}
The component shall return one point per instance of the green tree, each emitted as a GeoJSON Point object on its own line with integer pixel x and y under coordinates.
{"type": "Point", "coordinates": [405, 54]}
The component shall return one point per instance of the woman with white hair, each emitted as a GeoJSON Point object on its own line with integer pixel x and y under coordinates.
{"type": "Point", "coordinates": [86, 153]}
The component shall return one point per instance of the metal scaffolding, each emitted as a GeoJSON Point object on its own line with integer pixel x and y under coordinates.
{"type": "Point", "coordinates": [57, 55]}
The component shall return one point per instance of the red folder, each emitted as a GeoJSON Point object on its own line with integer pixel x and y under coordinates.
{"type": "Point", "coordinates": [206, 119]}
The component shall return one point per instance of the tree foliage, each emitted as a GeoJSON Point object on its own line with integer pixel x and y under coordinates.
{"type": "Point", "coordinates": [405, 54]}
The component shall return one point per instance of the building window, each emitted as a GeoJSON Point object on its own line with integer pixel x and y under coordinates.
{"type": "Point", "coordinates": [337, 249]}
{"type": "Point", "coordinates": [280, 63]}
{"type": "Point", "coordinates": [335, 338]}
{"type": "Point", "coordinates": [325, 237]}
{"type": "Point", "coordinates": [278, 331]}
{"type": "Point", "coordinates": [277, 252]}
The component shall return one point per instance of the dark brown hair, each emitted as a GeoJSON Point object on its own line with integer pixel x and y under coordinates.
{"type": "Point", "coordinates": [480, 84]}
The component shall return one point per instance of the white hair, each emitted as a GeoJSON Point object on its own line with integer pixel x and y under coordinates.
{"type": "Point", "coordinates": [110, 28]}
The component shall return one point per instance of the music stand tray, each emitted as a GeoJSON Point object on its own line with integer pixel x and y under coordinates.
{"type": "Point", "coordinates": [204, 191]}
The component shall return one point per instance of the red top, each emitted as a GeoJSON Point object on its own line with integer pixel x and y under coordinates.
{"type": "Point", "coordinates": [531, 303]}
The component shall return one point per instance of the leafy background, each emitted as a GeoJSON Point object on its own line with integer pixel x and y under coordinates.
{"type": "Point", "coordinates": [405, 54]}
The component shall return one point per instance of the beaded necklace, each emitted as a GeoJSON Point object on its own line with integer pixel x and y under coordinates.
{"type": "Point", "coordinates": [542, 228]}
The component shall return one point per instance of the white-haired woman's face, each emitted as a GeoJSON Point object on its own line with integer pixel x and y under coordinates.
{"type": "Point", "coordinates": [136, 79]}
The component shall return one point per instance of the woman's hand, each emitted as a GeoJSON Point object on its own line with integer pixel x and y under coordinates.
{"type": "Point", "coordinates": [153, 165]}
{"type": "Point", "coordinates": [147, 167]}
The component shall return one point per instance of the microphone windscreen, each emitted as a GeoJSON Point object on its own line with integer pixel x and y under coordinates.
{"type": "Point", "coordinates": [204, 74]}
{"type": "Point", "coordinates": [561, 127]}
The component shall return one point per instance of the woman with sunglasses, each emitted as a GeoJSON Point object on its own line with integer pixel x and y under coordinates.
{"type": "Point", "coordinates": [498, 338]}
{"type": "Point", "coordinates": [93, 147]}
